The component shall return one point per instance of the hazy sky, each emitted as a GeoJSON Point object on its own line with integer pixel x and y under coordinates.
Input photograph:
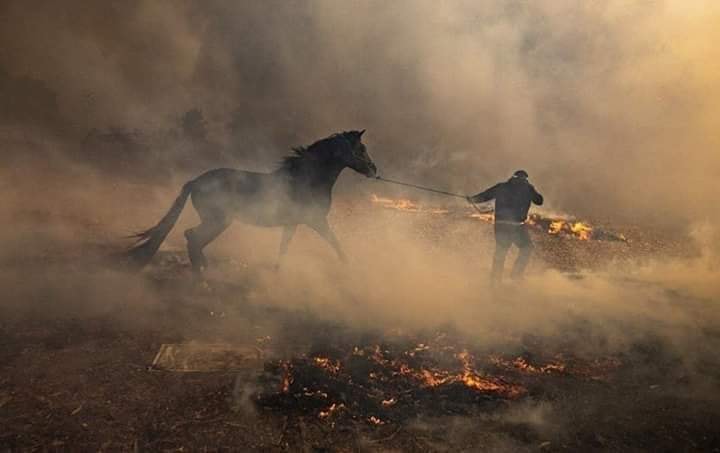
{"type": "Point", "coordinates": [611, 106]}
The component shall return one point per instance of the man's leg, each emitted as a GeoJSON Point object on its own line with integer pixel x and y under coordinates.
{"type": "Point", "coordinates": [502, 245]}
{"type": "Point", "coordinates": [525, 248]}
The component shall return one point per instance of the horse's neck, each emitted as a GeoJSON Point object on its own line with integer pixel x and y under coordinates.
{"type": "Point", "coordinates": [320, 175]}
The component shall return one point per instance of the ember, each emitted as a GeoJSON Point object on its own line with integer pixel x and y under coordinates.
{"type": "Point", "coordinates": [520, 363]}
{"type": "Point", "coordinates": [563, 227]}
{"type": "Point", "coordinates": [406, 205]}
{"type": "Point", "coordinates": [391, 379]}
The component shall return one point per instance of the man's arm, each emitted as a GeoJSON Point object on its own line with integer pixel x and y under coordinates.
{"type": "Point", "coordinates": [487, 195]}
{"type": "Point", "coordinates": [536, 197]}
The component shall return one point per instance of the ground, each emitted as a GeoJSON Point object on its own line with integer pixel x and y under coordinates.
{"type": "Point", "coordinates": [78, 341]}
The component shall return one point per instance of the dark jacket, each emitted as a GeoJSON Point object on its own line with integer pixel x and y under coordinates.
{"type": "Point", "coordinates": [512, 199]}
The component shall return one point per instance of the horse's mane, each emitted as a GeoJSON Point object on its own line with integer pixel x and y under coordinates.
{"type": "Point", "coordinates": [301, 154]}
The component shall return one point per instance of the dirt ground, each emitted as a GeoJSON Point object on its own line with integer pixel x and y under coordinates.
{"type": "Point", "coordinates": [78, 339]}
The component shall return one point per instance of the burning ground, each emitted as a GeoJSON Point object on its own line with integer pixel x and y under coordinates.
{"type": "Point", "coordinates": [404, 349]}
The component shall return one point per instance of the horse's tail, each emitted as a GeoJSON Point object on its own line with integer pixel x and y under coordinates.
{"type": "Point", "coordinates": [149, 240]}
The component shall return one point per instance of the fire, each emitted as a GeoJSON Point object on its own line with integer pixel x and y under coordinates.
{"type": "Point", "coordinates": [468, 376]}
{"type": "Point", "coordinates": [403, 204]}
{"type": "Point", "coordinates": [390, 378]}
{"type": "Point", "coordinates": [488, 217]}
{"type": "Point", "coordinates": [521, 364]}
{"type": "Point", "coordinates": [581, 230]}
{"type": "Point", "coordinates": [433, 379]}
{"type": "Point", "coordinates": [287, 378]}
{"type": "Point", "coordinates": [556, 226]}
{"type": "Point", "coordinates": [334, 407]}
{"type": "Point", "coordinates": [564, 227]}
{"type": "Point", "coordinates": [375, 421]}
{"type": "Point", "coordinates": [472, 379]}
{"type": "Point", "coordinates": [328, 364]}
{"type": "Point", "coordinates": [598, 369]}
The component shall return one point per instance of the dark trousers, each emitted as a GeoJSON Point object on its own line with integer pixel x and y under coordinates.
{"type": "Point", "coordinates": [507, 234]}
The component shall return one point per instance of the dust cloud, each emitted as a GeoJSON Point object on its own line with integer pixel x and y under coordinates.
{"type": "Point", "coordinates": [611, 107]}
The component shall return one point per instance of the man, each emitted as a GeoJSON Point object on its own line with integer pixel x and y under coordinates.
{"type": "Point", "coordinates": [512, 202]}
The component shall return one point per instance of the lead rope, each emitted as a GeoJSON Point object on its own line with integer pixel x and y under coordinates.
{"type": "Point", "coordinates": [429, 189]}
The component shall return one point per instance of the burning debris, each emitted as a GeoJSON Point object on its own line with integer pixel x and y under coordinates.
{"type": "Point", "coordinates": [391, 379]}
{"type": "Point", "coordinates": [555, 226]}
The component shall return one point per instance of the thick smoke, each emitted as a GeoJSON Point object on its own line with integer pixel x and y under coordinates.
{"type": "Point", "coordinates": [106, 108]}
{"type": "Point", "coordinates": [610, 106]}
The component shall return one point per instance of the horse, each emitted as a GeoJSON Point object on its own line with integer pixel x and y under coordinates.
{"type": "Point", "coordinates": [298, 192]}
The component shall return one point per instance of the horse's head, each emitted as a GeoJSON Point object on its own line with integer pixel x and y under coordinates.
{"type": "Point", "coordinates": [357, 157]}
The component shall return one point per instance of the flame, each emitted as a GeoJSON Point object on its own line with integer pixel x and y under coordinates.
{"type": "Point", "coordinates": [287, 378]}
{"type": "Point", "coordinates": [469, 377]}
{"type": "Point", "coordinates": [334, 407]}
{"type": "Point", "coordinates": [438, 377]}
{"type": "Point", "coordinates": [577, 229]}
{"type": "Point", "coordinates": [473, 380]}
{"type": "Point", "coordinates": [581, 230]}
{"type": "Point", "coordinates": [488, 217]}
{"type": "Point", "coordinates": [328, 364]}
{"type": "Point", "coordinates": [375, 421]}
{"type": "Point", "coordinates": [552, 225]}
{"type": "Point", "coordinates": [556, 226]}
{"type": "Point", "coordinates": [520, 363]}
{"type": "Point", "coordinates": [389, 402]}
{"type": "Point", "coordinates": [403, 204]}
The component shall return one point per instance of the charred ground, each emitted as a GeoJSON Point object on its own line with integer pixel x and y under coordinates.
{"type": "Point", "coordinates": [78, 338]}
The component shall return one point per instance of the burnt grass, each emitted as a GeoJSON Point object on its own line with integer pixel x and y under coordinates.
{"type": "Point", "coordinates": [74, 378]}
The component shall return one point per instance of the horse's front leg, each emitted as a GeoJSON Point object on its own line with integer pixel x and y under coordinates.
{"type": "Point", "coordinates": [287, 235]}
{"type": "Point", "coordinates": [324, 230]}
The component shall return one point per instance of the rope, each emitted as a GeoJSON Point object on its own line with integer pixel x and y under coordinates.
{"type": "Point", "coordinates": [429, 189]}
{"type": "Point", "coordinates": [421, 187]}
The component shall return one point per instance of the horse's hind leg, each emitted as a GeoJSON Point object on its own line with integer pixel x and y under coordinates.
{"type": "Point", "coordinates": [202, 235]}
{"type": "Point", "coordinates": [323, 229]}
{"type": "Point", "coordinates": [287, 235]}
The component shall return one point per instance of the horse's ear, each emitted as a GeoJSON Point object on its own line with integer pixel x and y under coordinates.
{"type": "Point", "coordinates": [361, 132]}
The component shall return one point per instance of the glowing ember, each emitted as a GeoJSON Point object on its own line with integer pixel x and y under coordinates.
{"type": "Point", "coordinates": [556, 226]}
{"type": "Point", "coordinates": [581, 230]}
{"type": "Point", "coordinates": [488, 217]}
{"type": "Point", "coordinates": [521, 364]}
{"type": "Point", "coordinates": [324, 362]}
{"type": "Point", "coordinates": [375, 421]}
{"type": "Point", "coordinates": [287, 378]}
{"type": "Point", "coordinates": [468, 376]}
{"type": "Point", "coordinates": [331, 410]}
{"type": "Point", "coordinates": [391, 378]}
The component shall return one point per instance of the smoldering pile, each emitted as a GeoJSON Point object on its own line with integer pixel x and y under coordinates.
{"type": "Point", "coordinates": [386, 378]}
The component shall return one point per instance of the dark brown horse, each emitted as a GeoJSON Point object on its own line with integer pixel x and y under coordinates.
{"type": "Point", "coordinates": [298, 192]}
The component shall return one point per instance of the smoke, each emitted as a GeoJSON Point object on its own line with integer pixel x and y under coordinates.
{"type": "Point", "coordinates": [106, 109]}
{"type": "Point", "coordinates": [610, 106]}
